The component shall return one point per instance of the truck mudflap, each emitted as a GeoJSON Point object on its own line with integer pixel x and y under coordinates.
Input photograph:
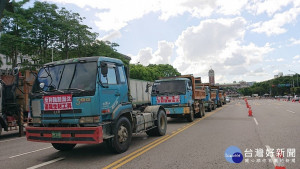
{"type": "Point", "coordinates": [74, 135]}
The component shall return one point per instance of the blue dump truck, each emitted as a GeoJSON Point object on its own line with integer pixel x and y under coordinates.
{"type": "Point", "coordinates": [181, 96]}
{"type": "Point", "coordinates": [210, 102]}
{"type": "Point", "coordinates": [219, 95]}
{"type": "Point", "coordinates": [222, 96]}
{"type": "Point", "coordinates": [88, 101]}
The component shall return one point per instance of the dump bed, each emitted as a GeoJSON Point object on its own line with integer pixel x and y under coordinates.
{"type": "Point", "coordinates": [198, 89]}
{"type": "Point", "coordinates": [213, 94]}
{"type": "Point", "coordinates": [220, 93]}
{"type": "Point", "coordinates": [138, 91]}
{"type": "Point", "coordinates": [25, 83]}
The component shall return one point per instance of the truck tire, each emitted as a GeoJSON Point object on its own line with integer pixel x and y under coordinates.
{"type": "Point", "coordinates": [214, 106]}
{"type": "Point", "coordinates": [202, 109]}
{"type": "Point", "coordinates": [190, 117]}
{"type": "Point", "coordinates": [161, 125]}
{"type": "Point", "coordinates": [122, 136]}
{"type": "Point", "coordinates": [63, 147]}
{"type": "Point", "coordinates": [209, 108]}
{"type": "Point", "coordinates": [199, 114]}
{"type": "Point", "coordinates": [219, 104]}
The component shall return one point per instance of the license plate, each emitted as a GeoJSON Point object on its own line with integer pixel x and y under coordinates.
{"type": "Point", "coordinates": [56, 135]}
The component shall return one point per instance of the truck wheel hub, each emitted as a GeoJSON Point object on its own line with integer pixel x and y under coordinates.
{"type": "Point", "coordinates": [123, 134]}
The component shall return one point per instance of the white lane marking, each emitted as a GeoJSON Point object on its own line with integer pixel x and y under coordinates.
{"type": "Point", "coordinates": [290, 111]}
{"type": "Point", "coordinates": [30, 152]}
{"type": "Point", "coordinates": [272, 157]}
{"type": "Point", "coordinates": [11, 139]}
{"type": "Point", "coordinates": [46, 163]}
{"type": "Point", "coordinates": [255, 121]}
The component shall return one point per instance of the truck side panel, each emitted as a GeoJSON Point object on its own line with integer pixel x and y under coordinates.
{"type": "Point", "coordinates": [137, 91]}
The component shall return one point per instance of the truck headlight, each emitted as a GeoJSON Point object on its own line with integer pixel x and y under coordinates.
{"type": "Point", "coordinates": [93, 119]}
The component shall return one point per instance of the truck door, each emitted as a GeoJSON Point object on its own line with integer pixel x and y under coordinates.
{"type": "Point", "coordinates": [110, 93]}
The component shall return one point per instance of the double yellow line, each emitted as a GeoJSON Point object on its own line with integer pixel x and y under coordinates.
{"type": "Point", "coordinates": [122, 161]}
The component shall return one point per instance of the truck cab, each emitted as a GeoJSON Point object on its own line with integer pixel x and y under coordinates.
{"type": "Point", "coordinates": [179, 97]}
{"type": "Point", "coordinates": [210, 98]}
{"type": "Point", "coordinates": [218, 100]}
{"type": "Point", "coordinates": [172, 92]}
{"type": "Point", "coordinates": [70, 93]}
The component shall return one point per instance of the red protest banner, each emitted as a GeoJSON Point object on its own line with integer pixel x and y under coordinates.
{"type": "Point", "coordinates": [58, 102]}
{"type": "Point", "coordinates": [168, 99]}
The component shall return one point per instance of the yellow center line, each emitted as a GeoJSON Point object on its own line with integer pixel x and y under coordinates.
{"type": "Point", "coordinates": [157, 142]}
{"type": "Point", "coordinates": [123, 158]}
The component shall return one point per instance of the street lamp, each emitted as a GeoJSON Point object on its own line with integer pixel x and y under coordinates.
{"type": "Point", "coordinates": [297, 77]}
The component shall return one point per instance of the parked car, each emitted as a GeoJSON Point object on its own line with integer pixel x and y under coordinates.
{"type": "Point", "coordinates": [297, 97]}
{"type": "Point", "coordinates": [227, 99]}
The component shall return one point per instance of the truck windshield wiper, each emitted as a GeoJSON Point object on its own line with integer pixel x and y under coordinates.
{"type": "Point", "coordinates": [177, 92]}
{"type": "Point", "coordinates": [164, 93]}
{"type": "Point", "coordinates": [76, 89]}
{"type": "Point", "coordinates": [41, 91]}
{"type": "Point", "coordinates": [57, 90]}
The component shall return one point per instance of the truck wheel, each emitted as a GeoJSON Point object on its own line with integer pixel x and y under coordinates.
{"type": "Point", "coordinates": [190, 117]}
{"type": "Point", "coordinates": [199, 114]}
{"type": "Point", "coordinates": [209, 108]}
{"type": "Point", "coordinates": [122, 136]}
{"type": "Point", "coordinates": [63, 147]}
{"type": "Point", "coordinates": [203, 110]}
{"type": "Point", "coordinates": [161, 125]}
{"type": "Point", "coordinates": [214, 106]}
{"type": "Point", "coordinates": [219, 104]}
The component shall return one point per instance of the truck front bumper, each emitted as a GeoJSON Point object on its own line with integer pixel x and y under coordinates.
{"type": "Point", "coordinates": [177, 111]}
{"type": "Point", "coordinates": [71, 135]}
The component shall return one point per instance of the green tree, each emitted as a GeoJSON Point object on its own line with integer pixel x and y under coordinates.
{"type": "Point", "coordinates": [12, 41]}
{"type": "Point", "coordinates": [105, 48]}
{"type": "Point", "coordinates": [163, 70]}
{"type": "Point", "coordinates": [43, 31]}
{"type": "Point", "coordinates": [72, 33]}
{"type": "Point", "coordinates": [272, 85]}
{"type": "Point", "coordinates": [152, 72]}
{"type": "Point", "coordinates": [4, 5]}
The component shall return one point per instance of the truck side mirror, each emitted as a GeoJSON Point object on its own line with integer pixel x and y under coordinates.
{"type": "Point", "coordinates": [104, 69]}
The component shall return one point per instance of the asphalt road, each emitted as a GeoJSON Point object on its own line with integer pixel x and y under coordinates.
{"type": "Point", "coordinates": [200, 144]}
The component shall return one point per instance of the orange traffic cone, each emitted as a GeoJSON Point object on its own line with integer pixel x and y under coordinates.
{"type": "Point", "coordinates": [249, 111]}
{"type": "Point", "coordinates": [280, 163]}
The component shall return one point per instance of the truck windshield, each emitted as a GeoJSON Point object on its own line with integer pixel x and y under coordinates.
{"type": "Point", "coordinates": [74, 76]}
{"type": "Point", "coordinates": [169, 87]}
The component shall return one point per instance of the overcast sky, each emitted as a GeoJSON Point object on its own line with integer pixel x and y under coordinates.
{"type": "Point", "coordinates": [247, 40]}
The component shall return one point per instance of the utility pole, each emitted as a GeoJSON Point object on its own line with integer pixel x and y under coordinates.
{"type": "Point", "coordinates": [297, 77]}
